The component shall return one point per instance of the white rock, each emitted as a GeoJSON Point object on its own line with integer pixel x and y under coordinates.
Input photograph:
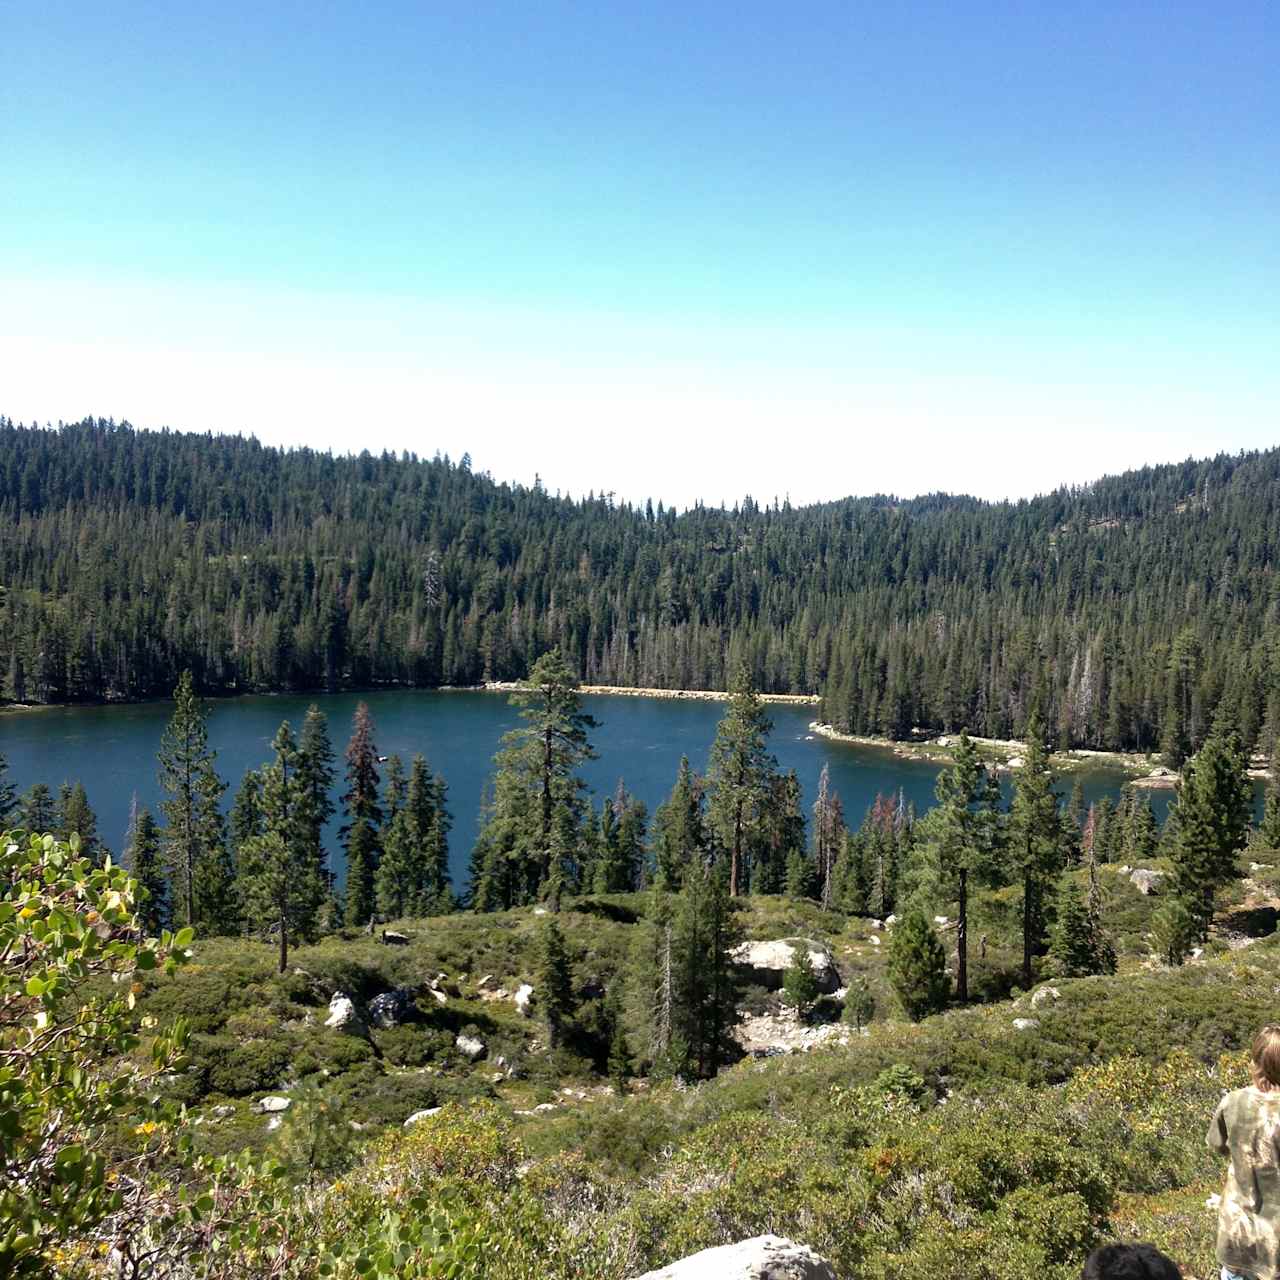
{"type": "Point", "coordinates": [1145, 881]}
{"type": "Point", "coordinates": [1044, 994]}
{"type": "Point", "coordinates": [1015, 762]}
{"type": "Point", "coordinates": [438, 996]}
{"type": "Point", "coordinates": [273, 1103]}
{"type": "Point", "coordinates": [1196, 953]}
{"type": "Point", "coordinates": [524, 999]}
{"type": "Point", "coordinates": [421, 1115]}
{"type": "Point", "coordinates": [761, 1258]}
{"type": "Point", "coordinates": [539, 911]}
{"type": "Point", "coordinates": [484, 982]}
{"type": "Point", "coordinates": [544, 1107]}
{"type": "Point", "coordinates": [470, 1046]}
{"type": "Point", "coordinates": [1124, 870]}
{"type": "Point", "coordinates": [769, 962]}
{"type": "Point", "coordinates": [343, 1016]}
{"type": "Point", "coordinates": [1025, 1024]}
{"type": "Point", "coordinates": [1261, 866]}
{"type": "Point", "coordinates": [274, 1123]}
{"type": "Point", "coordinates": [940, 919]}
{"type": "Point", "coordinates": [890, 920]}
{"type": "Point", "coordinates": [875, 942]}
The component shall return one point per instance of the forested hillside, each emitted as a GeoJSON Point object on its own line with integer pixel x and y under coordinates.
{"type": "Point", "coordinates": [1131, 612]}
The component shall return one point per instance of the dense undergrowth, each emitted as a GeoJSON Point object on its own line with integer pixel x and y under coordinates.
{"type": "Point", "coordinates": [959, 1146]}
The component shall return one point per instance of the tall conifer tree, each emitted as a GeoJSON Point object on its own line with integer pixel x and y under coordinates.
{"type": "Point", "coordinates": [201, 874]}
{"type": "Point", "coordinates": [364, 818]}
{"type": "Point", "coordinates": [1214, 807]}
{"type": "Point", "coordinates": [679, 828]}
{"type": "Point", "coordinates": [280, 884]}
{"type": "Point", "coordinates": [1035, 842]}
{"type": "Point", "coordinates": [144, 861]}
{"type": "Point", "coordinates": [739, 777]}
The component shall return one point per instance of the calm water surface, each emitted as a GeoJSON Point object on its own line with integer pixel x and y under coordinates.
{"type": "Point", "coordinates": [112, 750]}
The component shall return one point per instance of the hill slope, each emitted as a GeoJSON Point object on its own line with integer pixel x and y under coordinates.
{"type": "Point", "coordinates": [1129, 610]}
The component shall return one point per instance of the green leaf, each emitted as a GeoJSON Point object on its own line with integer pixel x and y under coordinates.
{"type": "Point", "coordinates": [35, 987]}
{"type": "Point", "coordinates": [185, 938]}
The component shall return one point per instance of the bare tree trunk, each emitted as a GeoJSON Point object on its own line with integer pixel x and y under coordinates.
{"type": "Point", "coordinates": [962, 939]}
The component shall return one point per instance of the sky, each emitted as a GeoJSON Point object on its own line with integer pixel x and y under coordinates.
{"type": "Point", "coordinates": [683, 251]}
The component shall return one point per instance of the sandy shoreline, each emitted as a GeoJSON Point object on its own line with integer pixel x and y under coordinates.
{"type": "Point", "coordinates": [691, 695]}
{"type": "Point", "coordinates": [1006, 753]}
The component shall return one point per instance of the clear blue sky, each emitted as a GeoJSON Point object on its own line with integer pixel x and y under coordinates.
{"type": "Point", "coordinates": [689, 250]}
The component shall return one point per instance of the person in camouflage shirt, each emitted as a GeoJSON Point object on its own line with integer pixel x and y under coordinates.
{"type": "Point", "coordinates": [1246, 1129]}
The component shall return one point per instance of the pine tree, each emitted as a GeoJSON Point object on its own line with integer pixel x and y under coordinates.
{"type": "Point", "coordinates": [364, 819]}
{"type": "Point", "coordinates": [278, 878]}
{"type": "Point", "coordinates": [739, 777]}
{"type": "Point", "coordinates": [1142, 834]}
{"type": "Point", "coordinates": [1035, 842]}
{"type": "Point", "coordinates": [76, 817]}
{"type": "Point", "coordinates": [650, 1004]}
{"type": "Point", "coordinates": [201, 876]}
{"type": "Point", "coordinates": [1175, 929]}
{"type": "Point", "coordinates": [1176, 741]}
{"type": "Point", "coordinates": [144, 861]}
{"type": "Point", "coordinates": [800, 983]}
{"type": "Point", "coordinates": [917, 966]}
{"type": "Point", "coordinates": [1075, 816]}
{"type": "Point", "coordinates": [554, 984]}
{"type": "Point", "coordinates": [8, 795]}
{"type": "Point", "coordinates": [799, 875]}
{"type": "Point", "coordinates": [537, 797]}
{"type": "Point", "coordinates": [859, 1004]}
{"type": "Point", "coordinates": [828, 835]}
{"type": "Point", "coordinates": [413, 874]}
{"type": "Point", "coordinates": [679, 828]}
{"type": "Point", "coordinates": [315, 774]}
{"type": "Point", "coordinates": [36, 811]}
{"type": "Point", "coordinates": [780, 832]}
{"type": "Point", "coordinates": [1214, 806]}
{"type": "Point", "coordinates": [1102, 948]}
{"type": "Point", "coordinates": [620, 845]}
{"type": "Point", "coordinates": [620, 1064]}
{"type": "Point", "coordinates": [958, 841]}
{"type": "Point", "coordinates": [704, 985]}
{"type": "Point", "coordinates": [395, 787]}
{"type": "Point", "coordinates": [246, 810]}
{"type": "Point", "coordinates": [1075, 950]}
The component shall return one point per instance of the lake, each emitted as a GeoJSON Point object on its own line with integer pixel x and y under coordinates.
{"type": "Point", "coordinates": [112, 750]}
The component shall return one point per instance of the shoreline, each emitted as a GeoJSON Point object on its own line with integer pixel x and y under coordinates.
{"type": "Point", "coordinates": [687, 695]}
{"type": "Point", "coordinates": [1007, 753]}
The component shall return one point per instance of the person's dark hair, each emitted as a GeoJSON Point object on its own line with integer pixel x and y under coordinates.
{"type": "Point", "coordinates": [1129, 1262]}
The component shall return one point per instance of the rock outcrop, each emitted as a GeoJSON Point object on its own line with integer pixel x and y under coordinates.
{"type": "Point", "coordinates": [344, 1017]}
{"type": "Point", "coordinates": [421, 1115]}
{"type": "Point", "coordinates": [470, 1047]}
{"type": "Point", "coordinates": [391, 1008]}
{"type": "Point", "coordinates": [524, 1000]}
{"type": "Point", "coordinates": [760, 1258]}
{"type": "Point", "coordinates": [1146, 881]}
{"type": "Point", "coordinates": [768, 962]}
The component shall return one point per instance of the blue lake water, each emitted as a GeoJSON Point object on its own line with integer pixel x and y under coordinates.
{"type": "Point", "coordinates": [112, 750]}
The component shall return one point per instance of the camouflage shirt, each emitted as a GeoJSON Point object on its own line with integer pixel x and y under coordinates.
{"type": "Point", "coordinates": [1246, 1129]}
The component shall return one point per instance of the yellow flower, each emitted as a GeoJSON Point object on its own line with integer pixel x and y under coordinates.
{"type": "Point", "coordinates": [147, 1128]}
